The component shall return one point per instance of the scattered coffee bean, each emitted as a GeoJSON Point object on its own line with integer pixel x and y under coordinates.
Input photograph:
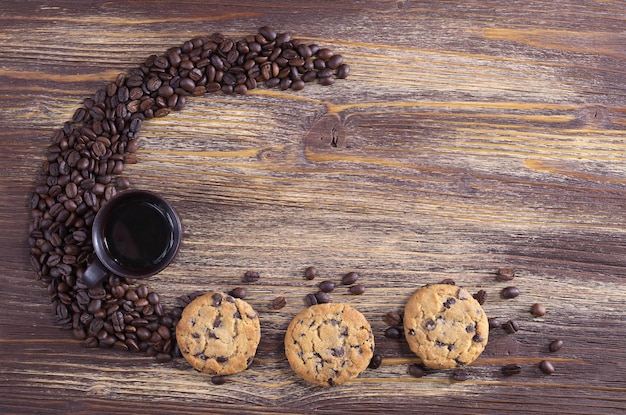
{"type": "Point", "coordinates": [219, 380]}
{"type": "Point", "coordinates": [448, 281]}
{"type": "Point", "coordinates": [239, 292]}
{"type": "Point", "coordinates": [376, 361]}
{"type": "Point", "coordinates": [393, 333]}
{"type": "Point", "coordinates": [511, 369]}
{"type": "Point", "coordinates": [393, 319]}
{"type": "Point", "coordinates": [538, 310]}
{"type": "Point", "coordinates": [555, 345]}
{"type": "Point", "coordinates": [460, 375]}
{"type": "Point", "coordinates": [357, 289]}
{"type": "Point", "coordinates": [510, 326]}
{"type": "Point", "coordinates": [494, 323]}
{"type": "Point", "coordinates": [350, 278]}
{"type": "Point", "coordinates": [416, 370]}
{"type": "Point", "coordinates": [546, 367]}
{"type": "Point", "coordinates": [327, 286]}
{"type": "Point", "coordinates": [322, 297]}
{"type": "Point", "coordinates": [505, 274]}
{"type": "Point", "coordinates": [251, 276]}
{"type": "Point", "coordinates": [480, 296]}
{"type": "Point", "coordinates": [310, 299]}
{"type": "Point", "coordinates": [510, 292]}
{"type": "Point", "coordinates": [310, 273]}
{"type": "Point", "coordinates": [279, 302]}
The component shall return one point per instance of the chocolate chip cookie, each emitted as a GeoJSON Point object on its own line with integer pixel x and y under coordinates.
{"type": "Point", "coordinates": [329, 344]}
{"type": "Point", "coordinates": [218, 334]}
{"type": "Point", "coordinates": [445, 326]}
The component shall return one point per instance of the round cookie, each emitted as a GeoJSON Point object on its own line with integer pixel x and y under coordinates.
{"type": "Point", "coordinates": [329, 344]}
{"type": "Point", "coordinates": [218, 334]}
{"type": "Point", "coordinates": [445, 326]}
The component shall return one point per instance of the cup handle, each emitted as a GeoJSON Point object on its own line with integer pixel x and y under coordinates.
{"type": "Point", "coordinates": [94, 273]}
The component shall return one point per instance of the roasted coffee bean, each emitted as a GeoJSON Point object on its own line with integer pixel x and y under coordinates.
{"type": "Point", "coordinates": [349, 278]}
{"type": "Point", "coordinates": [416, 370]}
{"type": "Point", "coordinates": [555, 345]}
{"type": "Point", "coordinates": [480, 296]}
{"type": "Point", "coordinates": [219, 380]}
{"type": "Point", "coordinates": [310, 273]}
{"type": "Point", "coordinates": [393, 319]}
{"type": "Point", "coordinates": [510, 326]}
{"type": "Point", "coordinates": [509, 292]}
{"type": "Point", "coordinates": [546, 367]}
{"type": "Point", "coordinates": [310, 299]}
{"type": "Point", "coordinates": [494, 323]}
{"type": "Point", "coordinates": [448, 281]}
{"type": "Point", "coordinates": [343, 71]}
{"type": "Point", "coordinates": [251, 276]}
{"type": "Point", "coordinates": [505, 274]}
{"type": "Point", "coordinates": [322, 297]}
{"type": "Point", "coordinates": [327, 286]}
{"type": "Point", "coordinates": [511, 369]}
{"type": "Point", "coordinates": [538, 310]}
{"type": "Point", "coordinates": [393, 333]}
{"type": "Point", "coordinates": [460, 375]}
{"type": "Point", "coordinates": [357, 289]}
{"type": "Point", "coordinates": [239, 292]}
{"type": "Point", "coordinates": [376, 361]}
{"type": "Point", "coordinates": [279, 302]}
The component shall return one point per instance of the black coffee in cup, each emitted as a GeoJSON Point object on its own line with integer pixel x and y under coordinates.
{"type": "Point", "coordinates": [135, 235]}
{"type": "Point", "coordinates": [138, 234]}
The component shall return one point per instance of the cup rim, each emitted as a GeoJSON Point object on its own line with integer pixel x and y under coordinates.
{"type": "Point", "coordinates": [98, 239]}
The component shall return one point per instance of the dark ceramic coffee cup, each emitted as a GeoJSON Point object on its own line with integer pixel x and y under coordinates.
{"type": "Point", "coordinates": [136, 234]}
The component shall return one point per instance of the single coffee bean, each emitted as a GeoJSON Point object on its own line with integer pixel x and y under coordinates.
{"type": "Point", "coordinates": [510, 326]}
{"type": "Point", "coordinates": [494, 323]}
{"type": "Point", "coordinates": [416, 370]}
{"type": "Point", "coordinates": [538, 310]}
{"type": "Point", "coordinates": [555, 345]}
{"type": "Point", "coordinates": [322, 297]}
{"type": "Point", "coordinates": [546, 367]}
{"type": "Point", "coordinates": [219, 380]}
{"type": "Point", "coordinates": [460, 375]}
{"type": "Point", "coordinates": [310, 299]}
{"type": "Point", "coordinates": [310, 273]}
{"type": "Point", "coordinates": [393, 319]}
{"type": "Point", "coordinates": [505, 274]}
{"type": "Point", "coordinates": [376, 361]}
{"type": "Point", "coordinates": [239, 292]}
{"type": "Point", "coordinates": [350, 278]}
{"type": "Point", "coordinates": [511, 369]}
{"type": "Point", "coordinates": [327, 286]}
{"type": "Point", "coordinates": [393, 333]}
{"type": "Point", "coordinates": [343, 71]}
{"type": "Point", "coordinates": [279, 302]}
{"type": "Point", "coordinates": [357, 289]}
{"type": "Point", "coordinates": [448, 281]}
{"type": "Point", "coordinates": [251, 276]}
{"type": "Point", "coordinates": [510, 292]}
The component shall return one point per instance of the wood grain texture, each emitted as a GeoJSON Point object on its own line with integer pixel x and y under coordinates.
{"type": "Point", "coordinates": [470, 136]}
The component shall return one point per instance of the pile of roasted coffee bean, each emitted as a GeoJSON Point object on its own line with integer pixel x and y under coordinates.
{"type": "Point", "coordinates": [87, 155]}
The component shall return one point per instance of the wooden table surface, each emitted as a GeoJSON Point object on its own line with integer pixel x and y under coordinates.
{"type": "Point", "coordinates": [470, 136]}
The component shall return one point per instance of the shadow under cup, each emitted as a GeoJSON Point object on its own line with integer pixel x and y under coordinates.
{"type": "Point", "coordinates": [136, 234]}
